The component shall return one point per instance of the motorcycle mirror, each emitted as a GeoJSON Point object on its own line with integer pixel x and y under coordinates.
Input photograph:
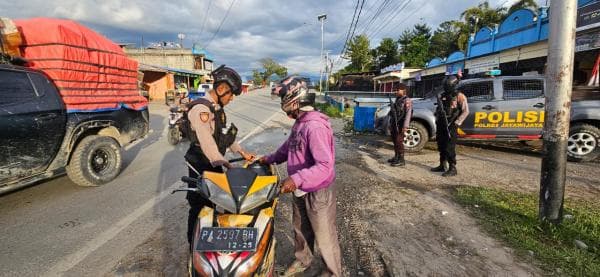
{"type": "Point", "coordinates": [273, 193]}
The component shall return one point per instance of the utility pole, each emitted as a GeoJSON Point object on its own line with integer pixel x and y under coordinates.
{"type": "Point", "coordinates": [321, 18]}
{"type": "Point", "coordinates": [559, 79]}
{"type": "Point", "coordinates": [327, 70]}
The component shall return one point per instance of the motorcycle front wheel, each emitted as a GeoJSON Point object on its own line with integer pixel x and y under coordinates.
{"type": "Point", "coordinates": [173, 136]}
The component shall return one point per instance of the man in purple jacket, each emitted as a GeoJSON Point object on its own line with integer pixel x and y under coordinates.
{"type": "Point", "coordinates": [310, 156]}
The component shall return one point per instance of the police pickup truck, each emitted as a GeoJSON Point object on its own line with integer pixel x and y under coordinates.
{"type": "Point", "coordinates": [508, 108]}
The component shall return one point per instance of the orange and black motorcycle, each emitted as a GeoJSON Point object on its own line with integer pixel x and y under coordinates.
{"type": "Point", "coordinates": [235, 236]}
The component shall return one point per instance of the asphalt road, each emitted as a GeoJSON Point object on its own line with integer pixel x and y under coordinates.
{"type": "Point", "coordinates": [57, 228]}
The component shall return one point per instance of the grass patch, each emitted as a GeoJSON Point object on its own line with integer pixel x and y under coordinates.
{"type": "Point", "coordinates": [513, 217]}
{"type": "Point", "coordinates": [332, 111]}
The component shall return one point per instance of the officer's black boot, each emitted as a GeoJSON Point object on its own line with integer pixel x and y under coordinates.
{"type": "Point", "coordinates": [393, 159]}
{"type": "Point", "coordinates": [439, 168]}
{"type": "Point", "coordinates": [399, 161]}
{"type": "Point", "coordinates": [451, 171]}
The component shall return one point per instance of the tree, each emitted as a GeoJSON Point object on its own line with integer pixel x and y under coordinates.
{"type": "Point", "coordinates": [476, 17]}
{"type": "Point", "coordinates": [523, 4]}
{"type": "Point", "coordinates": [422, 30]}
{"type": "Point", "coordinates": [271, 67]}
{"type": "Point", "coordinates": [415, 46]}
{"type": "Point", "coordinates": [386, 53]}
{"type": "Point", "coordinates": [359, 53]}
{"type": "Point", "coordinates": [257, 76]}
{"type": "Point", "coordinates": [416, 53]}
{"type": "Point", "coordinates": [444, 39]}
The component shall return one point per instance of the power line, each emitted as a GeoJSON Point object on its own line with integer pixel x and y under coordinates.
{"type": "Point", "coordinates": [205, 17]}
{"type": "Point", "coordinates": [386, 18]}
{"type": "Point", "coordinates": [356, 23]}
{"type": "Point", "coordinates": [334, 44]}
{"type": "Point", "coordinates": [220, 24]}
{"type": "Point", "coordinates": [351, 23]}
{"type": "Point", "coordinates": [376, 16]}
{"type": "Point", "coordinates": [394, 15]}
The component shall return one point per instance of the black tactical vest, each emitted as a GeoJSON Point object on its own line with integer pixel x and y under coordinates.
{"type": "Point", "coordinates": [398, 110]}
{"type": "Point", "coordinates": [223, 137]}
{"type": "Point", "coordinates": [451, 113]}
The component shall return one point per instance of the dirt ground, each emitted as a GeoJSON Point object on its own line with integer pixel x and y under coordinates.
{"type": "Point", "coordinates": [393, 221]}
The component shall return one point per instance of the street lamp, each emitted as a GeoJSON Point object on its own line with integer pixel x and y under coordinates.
{"type": "Point", "coordinates": [180, 36]}
{"type": "Point", "coordinates": [321, 18]}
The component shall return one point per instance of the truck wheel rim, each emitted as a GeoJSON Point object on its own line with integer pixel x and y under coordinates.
{"type": "Point", "coordinates": [412, 138]}
{"type": "Point", "coordinates": [581, 143]}
{"type": "Point", "coordinates": [100, 160]}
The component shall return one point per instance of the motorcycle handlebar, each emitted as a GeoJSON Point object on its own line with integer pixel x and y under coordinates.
{"type": "Point", "coordinates": [236, 160]}
{"type": "Point", "coordinates": [189, 180]}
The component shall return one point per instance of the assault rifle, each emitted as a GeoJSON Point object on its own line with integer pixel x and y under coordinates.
{"type": "Point", "coordinates": [442, 116]}
{"type": "Point", "coordinates": [393, 113]}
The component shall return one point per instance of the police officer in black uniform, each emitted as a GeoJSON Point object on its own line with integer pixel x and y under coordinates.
{"type": "Point", "coordinates": [210, 136]}
{"type": "Point", "coordinates": [453, 111]}
{"type": "Point", "coordinates": [400, 115]}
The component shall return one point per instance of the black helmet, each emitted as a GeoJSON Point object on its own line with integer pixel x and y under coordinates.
{"type": "Point", "coordinates": [229, 76]}
{"type": "Point", "coordinates": [450, 83]}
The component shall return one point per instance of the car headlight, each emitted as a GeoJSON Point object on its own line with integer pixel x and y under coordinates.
{"type": "Point", "coordinates": [256, 199]}
{"type": "Point", "coordinates": [220, 197]}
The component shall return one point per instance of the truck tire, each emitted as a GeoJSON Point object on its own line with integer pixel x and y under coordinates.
{"type": "Point", "coordinates": [416, 137]}
{"type": "Point", "coordinates": [583, 143]}
{"type": "Point", "coordinates": [95, 161]}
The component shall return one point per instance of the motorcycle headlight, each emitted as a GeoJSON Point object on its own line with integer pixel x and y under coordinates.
{"type": "Point", "coordinates": [220, 197]}
{"type": "Point", "coordinates": [256, 199]}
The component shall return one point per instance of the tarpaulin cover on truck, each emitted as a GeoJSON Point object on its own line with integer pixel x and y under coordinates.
{"type": "Point", "coordinates": [92, 73]}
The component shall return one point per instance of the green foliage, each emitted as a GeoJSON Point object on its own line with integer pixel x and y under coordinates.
{"type": "Point", "coordinates": [444, 39]}
{"type": "Point", "coordinates": [415, 49]}
{"type": "Point", "coordinates": [257, 76]}
{"type": "Point", "coordinates": [513, 217]}
{"type": "Point", "coordinates": [386, 53]}
{"type": "Point", "coordinates": [359, 54]}
{"type": "Point", "coordinates": [332, 111]}
{"type": "Point", "coordinates": [523, 4]}
{"type": "Point", "coordinates": [269, 67]}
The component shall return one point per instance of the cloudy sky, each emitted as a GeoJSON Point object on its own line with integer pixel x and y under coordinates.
{"type": "Point", "coordinates": [287, 31]}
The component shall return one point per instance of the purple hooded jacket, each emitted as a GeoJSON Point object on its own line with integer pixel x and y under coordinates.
{"type": "Point", "coordinates": [309, 152]}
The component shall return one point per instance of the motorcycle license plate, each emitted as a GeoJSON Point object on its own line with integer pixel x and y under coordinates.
{"type": "Point", "coordinates": [227, 239]}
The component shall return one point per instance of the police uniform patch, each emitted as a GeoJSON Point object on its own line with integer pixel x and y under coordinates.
{"type": "Point", "coordinates": [204, 117]}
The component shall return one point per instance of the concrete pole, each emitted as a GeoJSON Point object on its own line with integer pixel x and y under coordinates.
{"type": "Point", "coordinates": [326, 70]}
{"type": "Point", "coordinates": [559, 78]}
{"type": "Point", "coordinates": [322, 19]}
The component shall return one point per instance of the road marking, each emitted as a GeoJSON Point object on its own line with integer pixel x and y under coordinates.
{"type": "Point", "coordinates": [259, 127]}
{"type": "Point", "coordinates": [73, 259]}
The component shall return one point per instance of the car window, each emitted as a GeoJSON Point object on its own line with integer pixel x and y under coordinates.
{"type": "Point", "coordinates": [478, 91]}
{"type": "Point", "coordinates": [522, 89]}
{"type": "Point", "coordinates": [15, 87]}
{"type": "Point", "coordinates": [205, 86]}
{"type": "Point", "coordinates": [41, 83]}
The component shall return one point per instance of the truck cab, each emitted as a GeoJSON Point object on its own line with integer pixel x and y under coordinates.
{"type": "Point", "coordinates": [33, 122]}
